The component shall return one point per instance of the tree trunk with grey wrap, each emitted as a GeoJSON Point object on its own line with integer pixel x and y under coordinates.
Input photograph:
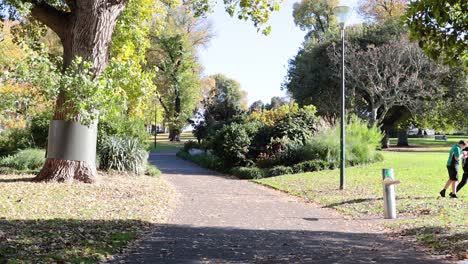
{"type": "Point", "coordinates": [85, 32]}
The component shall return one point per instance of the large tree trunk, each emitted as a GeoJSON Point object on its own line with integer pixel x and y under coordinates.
{"type": "Point", "coordinates": [85, 32]}
{"type": "Point", "coordinates": [402, 138]}
{"type": "Point", "coordinates": [174, 134]}
{"type": "Point", "coordinates": [385, 141]}
{"type": "Point", "coordinates": [386, 137]}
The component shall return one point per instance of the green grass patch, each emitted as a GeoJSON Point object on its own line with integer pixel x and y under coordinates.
{"type": "Point", "coordinates": [78, 223]}
{"type": "Point", "coordinates": [420, 208]}
{"type": "Point", "coordinates": [152, 170]}
{"type": "Point", "coordinates": [431, 142]}
{"type": "Point", "coordinates": [163, 143]}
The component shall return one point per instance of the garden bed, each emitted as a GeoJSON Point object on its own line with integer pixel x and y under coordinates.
{"type": "Point", "coordinates": [78, 223]}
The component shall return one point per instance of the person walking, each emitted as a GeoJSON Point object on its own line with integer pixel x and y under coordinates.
{"type": "Point", "coordinates": [452, 167]}
{"type": "Point", "coordinates": [465, 169]}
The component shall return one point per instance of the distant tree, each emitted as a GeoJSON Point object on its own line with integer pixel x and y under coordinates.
{"type": "Point", "coordinates": [178, 73]}
{"type": "Point", "coordinates": [311, 79]}
{"type": "Point", "coordinates": [443, 113]}
{"type": "Point", "coordinates": [382, 9]}
{"type": "Point", "coordinates": [256, 106]}
{"type": "Point", "coordinates": [441, 28]}
{"type": "Point", "coordinates": [276, 102]}
{"type": "Point", "coordinates": [387, 77]}
{"type": "Point", "coordinates": [316, 17]}
{"type": "Point", "coordinates": [394, 74]}
{"type": "Point", "coordinates": [225, 101]}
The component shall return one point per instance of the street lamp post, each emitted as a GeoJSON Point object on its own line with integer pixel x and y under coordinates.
{"type": "Point", "coordinates": [155, 121]}
{"type": "Point", "coordinates": [342, 12]}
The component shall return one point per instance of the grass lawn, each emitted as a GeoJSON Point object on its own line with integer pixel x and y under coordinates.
{"type": "Point", "coordinates": [163, 143]}
{"type": "Point", "coordinates": [431, 142]}
{"type": "Point", "coordinates": [439, 222]}
{"type": "Point", "coordinates": [79, 223]}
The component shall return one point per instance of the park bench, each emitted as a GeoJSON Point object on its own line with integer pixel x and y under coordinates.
{"type": "Point", "coordinates": [440, 137]}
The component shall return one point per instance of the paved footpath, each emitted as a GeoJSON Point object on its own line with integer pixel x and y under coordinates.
{"type": "Point", "coordinates": [224, 220]}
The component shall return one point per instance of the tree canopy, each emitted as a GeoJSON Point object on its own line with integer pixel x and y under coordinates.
{"type": "Point", "coordinates": [383, 71]}
{"type": "Point", "coordinates": [316, 17]}
{"type": "Point", "coordinates": [441, 28]}
{"type": "Point", "coordinates": [225, 101]}
{"type": "Point", "coordinates": [382, 9]}
{"type": "Point", "coordinates": [177, 75]}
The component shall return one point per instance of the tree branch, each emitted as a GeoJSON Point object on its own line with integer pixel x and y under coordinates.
{"type": "Point", "coordinates": [71, 4]}
{"type": "Point", "coordinates": [117, 2]}
{"type": "Point", "coordinates": [55, 19]}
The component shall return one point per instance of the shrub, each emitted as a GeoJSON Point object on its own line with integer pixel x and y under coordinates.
{"type": "Point", "coordinates": [13, 140]}
{"type": "Point", "coordinates": [39, 128]}
{"type": "Point", "coordinates": [208, 161]}
{"type": "Point", "coordinates": [122, 126]}
{"type": "Point", "coordinates": [271, 155]}
{"type": "Point", "coordinates": [183, 155]}
{"type": "Point", "coordinates": [27, 159]}
{"type": "Point", "coordinates": [200, 131]}
{"type": "Point", "coordinates": [311, 165]}
{"type": "Point", "coordinates": [252, 128]}
{"type": "Point", "coordinates": [293, 153]}
{"type": "Point", "coordinates": [281, 152]}
{"type": "Point", "coordinates": [248, 172]}
{"type": "Point", "coordinates": [280, 170]}
{"type": "Point", "coordinates": [260, 141]}
{"type": "Point", "coordinates": [122, 154]}
{"type": "Point", "coordinates": [152, 170]}
{"type": "Point", "coordinates": [378, 157]}
{"type": "Point", "coordinates": [297, 126]}
{"type": "Point", "coordinates": [231, 144]}
{"type": "Point", "coordinates": [191, 145]}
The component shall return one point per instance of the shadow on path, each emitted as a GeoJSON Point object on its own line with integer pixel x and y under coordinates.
{"type": "Point", "coordinates": [187, 244]}
{"type": "Point", "coordinates": [170, 164]}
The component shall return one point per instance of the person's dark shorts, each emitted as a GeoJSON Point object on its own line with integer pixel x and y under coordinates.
{"type": "Point", "coordinates": [453, 173]}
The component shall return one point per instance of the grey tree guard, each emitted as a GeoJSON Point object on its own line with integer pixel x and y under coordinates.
{"type": "Point", "coordinates": [68, 137]}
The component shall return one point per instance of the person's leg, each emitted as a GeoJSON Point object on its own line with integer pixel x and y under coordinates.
{"type": "Point", "coordinates": [454, 187]}
{"type": "Point", "coordinates": [442, 193]}
{"type": "Point", "coordinates": [463, 181]}
{"type": "Point", "coordinates": [454, 179]}
{"type": "Point", "coordinates": [447, 185]}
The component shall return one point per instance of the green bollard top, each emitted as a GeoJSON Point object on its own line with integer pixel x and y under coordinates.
{"type": "Point", "coordinates": [387, 173]}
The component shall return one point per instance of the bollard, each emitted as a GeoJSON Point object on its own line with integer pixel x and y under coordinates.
{"type": "Point", "coordinates": [389, 193]}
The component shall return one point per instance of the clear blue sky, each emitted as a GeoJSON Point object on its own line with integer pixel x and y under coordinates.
{"type": "Point", "coordinates": [258, 62]}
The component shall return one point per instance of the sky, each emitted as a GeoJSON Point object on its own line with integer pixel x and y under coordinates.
{"type": "Point", "coordinates": [258, 62]}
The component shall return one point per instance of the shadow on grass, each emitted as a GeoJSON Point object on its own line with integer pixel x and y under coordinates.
{"type": "Point", "coordinates": [353, 201]}
{"type": "Point", "coordinates": [13, 180]}
{"type": "Point", "coordinates": [365, 200]}
{"type": "Point", "coordinates": [60, 240]}
{"type": "Point", "coordinates": [90, 241]}
{"type": "Point", "coordinates": [440, 239]}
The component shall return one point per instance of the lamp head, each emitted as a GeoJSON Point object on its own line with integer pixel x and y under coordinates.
{"type": "Point", "coordinates": [342, 12]}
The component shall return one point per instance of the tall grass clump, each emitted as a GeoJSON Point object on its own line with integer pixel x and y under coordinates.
{"type": "Point", "coordinates": [123, 154]}
{"type": "Point", "coordinates": [362, 143]}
